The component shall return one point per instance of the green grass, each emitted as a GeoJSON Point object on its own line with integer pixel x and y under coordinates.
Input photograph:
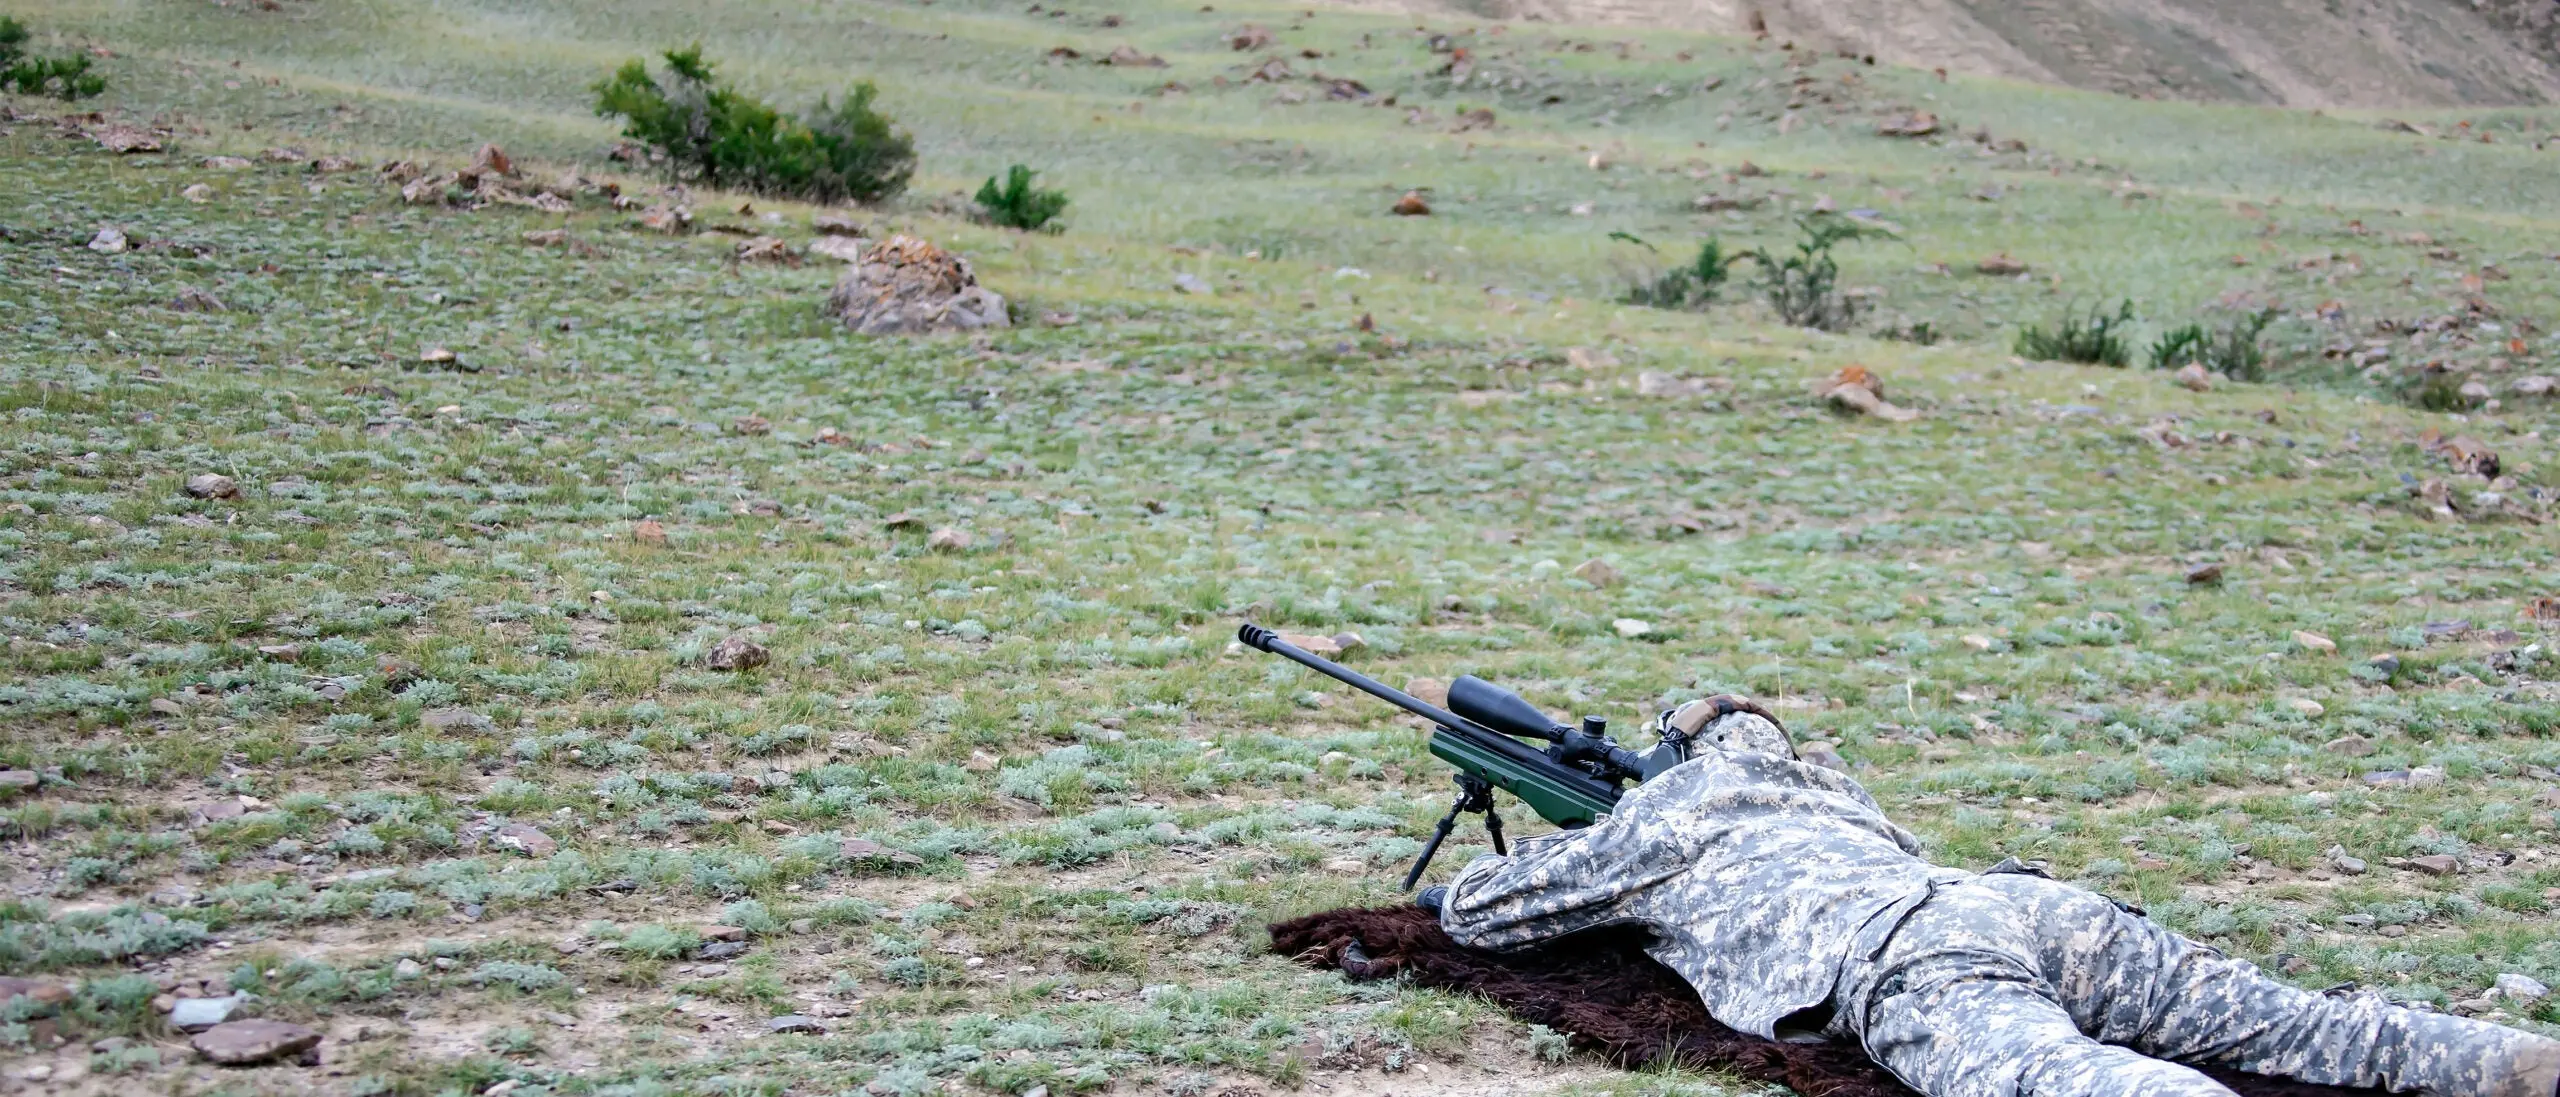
{"type": "Point", "coordinates": [1079, 808]}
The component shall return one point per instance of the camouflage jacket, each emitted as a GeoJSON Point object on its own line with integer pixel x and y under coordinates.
{"type": "Point", "coordinates": [1759, 876]}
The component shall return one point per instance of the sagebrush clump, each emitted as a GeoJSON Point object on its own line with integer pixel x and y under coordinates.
{"type": "Point", "coordinates": [2231, 350]}
{"type": "Point", "coordinates": [1803, 287]}
{"type": "Point", "coordinates": [717, 135]}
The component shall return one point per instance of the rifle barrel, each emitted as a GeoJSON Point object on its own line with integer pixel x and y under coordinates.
{"type": "Point", "coordinates": [1263, 639]}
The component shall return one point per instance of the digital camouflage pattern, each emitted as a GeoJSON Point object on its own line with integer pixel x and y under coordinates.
{"type": "Point", "coordinates": [1779, 890]}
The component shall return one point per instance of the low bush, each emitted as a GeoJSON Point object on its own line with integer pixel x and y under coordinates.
{"type": "Point", "coordinates": [2096, 338]}
{"type": "Point", "coordinates": [1803, 287]}
{"type": "Point", "coordinates": [717, 135]}
{"type": "Point", "coordinates": [1685, 287]}
{"type": "Point", "coordinates": [66, 78]}
{"type": "Point", "coordinates": [1017, 204]}
{"type": "Point", "coordinates": [2231, 350]}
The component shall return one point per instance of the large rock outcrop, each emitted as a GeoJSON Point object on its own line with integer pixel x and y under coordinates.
{"type": "Point", "coordinates": [906, 286]}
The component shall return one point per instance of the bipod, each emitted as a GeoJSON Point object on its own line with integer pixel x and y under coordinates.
{"type": "Point", "coordinates": [1474, 794]}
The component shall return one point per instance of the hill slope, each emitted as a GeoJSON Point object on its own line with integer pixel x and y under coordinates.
{"type": "Point", "coordinates": [2304, 53]}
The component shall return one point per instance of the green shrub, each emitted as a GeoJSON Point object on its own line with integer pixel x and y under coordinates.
{"type": "Point", "coordinates": [1017, 204]}
{"type": "Point", "coordinates": [722, 137]}
{"type": "Point", "coordinates": [2231, 350]}
{"type": "Point", "coordinates": [2095, 338]}
{"type": "Point", "coordinates": [1685, 287]}
{"type": "Point", "coordinates": [1804, 287]}
{"type": "Point", "coordinates": [64, 78]}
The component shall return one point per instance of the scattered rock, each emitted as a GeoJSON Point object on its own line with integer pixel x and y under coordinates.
{"type": "Point", "coordinates": [737, 652]}
{"type": "Point", "coordinates": [2312, 641]}
{"type": "Point", "coordinates": [667, 220]}
{"type": "Point", "coordinates": [197, 193]}
{"type": "Point", "coordinates": [1976, 641]}
{"type": "Point", "coordinates": [2349, 746]}
{"type": "Point", "coordinates": [1630, 628]}
{"type": "Point", "coordinates": [108, 241]}
{"type": "Point", "coordinates": [199, 1014]}
{"type": "Point", "coordinates": [1597, 572]}
{"type": "Point", "coordinates": [842, 249]}
{"type": "Point", "coordinates": [723, 933]}
{"type": "Point", "coordinates": [2520, 989]}
{"type": "Point", "coordinates": [2304, 705]}
{"type": "Point", "coordinates": [649, 531]}
{"type": "Point", "coordinates": [1128, 57]}
{"type": "Point", "coordinates": [906, 286]}
{"type": "Point", "coordinates": [1189, 284]}
{"type": "Point", "coordinates": [795, 1024]}
{"type": "Point", "coordinates": [439, 356]}
{"type": "Point", "coordinates": [282, 653]}
{"type": "Point", "coordinates": [247, 1043]}
{"type": "Point", "coordinates": [547, 238]}
{"type": "Point", "coordinates": [722, 950]}
{"type": "Point", "coordinates": [2436, 864]}
{"type": "Point", "coordinates": [982, 762]}
{"type": "Point", "coordinates": [2425, 776]}
{"type": "Point", "coordinates": [212, 485]}
{"type": "Point", "coordinates": [1413, 204]}
{"type": "Point", "coordinates": [1313, 645]}
{"type": "Point", "coordinates": [407, 968]}
{"type": "Point", "coordinates": [949, 539]}
{"type": "Point", "coordinates": [1248, 38]}
{"type": "Point", "coordinates": [2194, 377]}
{"type": "Point", "coordinates": [15, 781]}
{"type": "Point", "coordinates": [767, 249]}
{"type": "Point", "coordinates": [461, 720]}
{"type": "Point", "coordinates": [2342, 861]}
{"type": "Point", "coordinates": [124, 140]}
{"type": "Point", "coordinates": [2441, 632]}
{"type": "Point", "coordinates": [1857, 389]}
{"type": "Point", "coordinates": [192, 299]}
{"type": "Point", "coordinates": [2001, 266]}
{"type": "Point", "coordinates": [524, 839]}
{"type": "Point", "coordinates": [226, 163]}
{"type": "Point", "coordinates": [837, 223]}
{"type": "Point", "coordinates": [1431, 691]}
{"type": "Point", "coordinates": [2204, 574]}
{"type": "Point", "coordinates": [1822, 752]}
{"type": "Point", "coordinates": [40, 991]}
{"type": "Point", "coordinates": [491, 160]}
{"type": "Point", "coordinates": [1914, 124]}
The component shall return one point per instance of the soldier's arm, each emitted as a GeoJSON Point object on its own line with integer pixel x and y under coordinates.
{"type": "Point", "coordinates": [1559, 883]}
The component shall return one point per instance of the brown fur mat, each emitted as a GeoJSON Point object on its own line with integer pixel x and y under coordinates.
{"type": "Point", "coordinates": [1611, 998]}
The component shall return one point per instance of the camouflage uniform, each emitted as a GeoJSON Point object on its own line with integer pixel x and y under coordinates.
{"type": "Point", "coordinates": [1781, 892]}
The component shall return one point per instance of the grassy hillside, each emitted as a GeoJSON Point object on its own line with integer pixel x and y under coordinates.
{"type": "Point", "coordinates": [1014, 816]}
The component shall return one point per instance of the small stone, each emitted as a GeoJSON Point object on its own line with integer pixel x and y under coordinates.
{"type": "Point", "coordinates": [1193, 285]}
{"type": "Point", "coordinates": [2395, 931]}
{"type": "Point", "coordinates": [199, 1014]}
{"type": "Point", "coordinates": [1312, 645]}
{"type": "Point", "coordinates": [857, 849]}
{"type": "Point", "coordinates": [227, 163]}
{"type": "Point", "coordinates": [212, 485]}
{"type": "Point", "coordinates": [2341, 860]}
{"type": "Point", "coordinates": [197, 193]}
{"type": "Point", "coordinates": [460, 720]}
{"type": "Point", "coordinates": [2436, 864]}
{"type": "Point", "coordinates": [2349, 746]}
{"type": "Point", "coordinates": [2387, 664]}
{"type": "Point", "coordinates": [1630, 628]}
{"type": "Point", "coordinates": [1346, 866]}
{"type": "Point", "coordinates": [723, 933]}
{"type": "Point", "coordinates": [981, 762]}
{"type": "Point", "coordinates": [795, 1024]}
{"type": "Point", "coordinates": [2312, 641]}
{"type": "Point", "coordinates": [722, 950]}
{"type": "Point", "coordinates": [192, 299]}
{"type": "Point", "coordinates": [649, 531]}
{"type": "Point", "coordinates": [1976, 641]}
{"type": "Point", "coordinates": [1349, 641]}
{"type": "Point", "coordinates": [2305, 706]}
{"type": "Point", "coordinates": [407, 969]}
{"type": "Point", "coordinates": [246, 1043]}
{"type": "Point", "coordinates": [949, 539]}
{"type": "Point", "coordinates": [1412, 204]}
{"type": "Point", "coordinates": [2203, 574]}
{"type": "Point", "coordinates": [524, 839]}
{"type": "Point", "coordinates": [1596, 572]}
{"type": "Point", "coordinates": [108, 241]}
{"type": "Point", "coordinates": [801, 927]}
{"type": "Point", "coordinates": [282, 653]}
{"type": "Point", "coordinates": [2356, 921]}
{"type": "Point", "coordinates": [1431, 691]}
{"type": "Point", "coordinates": [14, 781]}
{"type": "Point", "coordinates": [2426, 776]}
{"type": "Point", "coordinates": [40, 991]}
{"type": "Point", "coordinates": [2521, 989]}
{"type": "Point", "coordinates": [737, 652]}
{"type": "Point", "coordinates": [438, 356]}
{"type": "Point", "coordinates": [1821, 752]}
{"type": "Point", "coordinates": [2194, 377]}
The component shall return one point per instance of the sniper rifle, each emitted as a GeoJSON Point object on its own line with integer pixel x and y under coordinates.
{"type": "Point", "coordinates": [1572, 781]}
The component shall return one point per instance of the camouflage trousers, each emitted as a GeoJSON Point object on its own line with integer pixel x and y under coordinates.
{"type": "Point", "coordinates": [2007, 985]}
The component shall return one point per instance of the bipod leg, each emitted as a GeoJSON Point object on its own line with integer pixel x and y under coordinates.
{"type": "Point", "coordinates": [1474, 794]}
